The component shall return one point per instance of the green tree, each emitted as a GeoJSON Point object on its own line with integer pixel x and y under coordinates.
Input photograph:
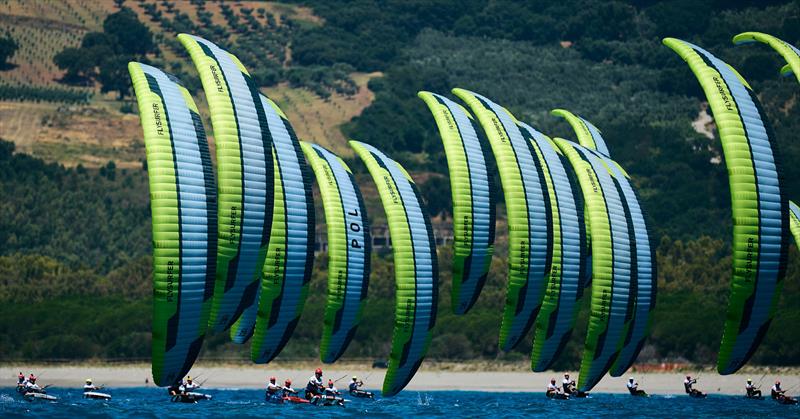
{"type": "Point", "coordinates": [8, 47]}
{"type": "Point", "coordinates": [113, 75]}
{"type": "Point", "coordinates": [76, 64]}
{"type": "Point", "coordinates": [133, 37]}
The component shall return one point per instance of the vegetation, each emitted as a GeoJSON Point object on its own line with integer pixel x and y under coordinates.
{"type": "Point", "coordinates": [42, 94]}
{"type": "Point", "coordinates": [72, 237]}
{"type": "Point", "coordinates": [8, 47]}
{"type": "Point", "coordinates": [104, 56]}
{"type": "Point", "coordinates": [93, 256]}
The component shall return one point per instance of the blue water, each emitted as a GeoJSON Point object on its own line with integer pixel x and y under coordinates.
{"type": "Point", "coordinates": [150, 402]}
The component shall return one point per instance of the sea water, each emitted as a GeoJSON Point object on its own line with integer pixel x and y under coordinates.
{"type": "Point", "coordinates": [152, 402]}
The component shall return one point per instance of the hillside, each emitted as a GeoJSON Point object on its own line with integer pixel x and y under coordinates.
{"type": "Point", "coordinates": [94, 132]}
{"type": "Point", "coordinates": [347, 70]}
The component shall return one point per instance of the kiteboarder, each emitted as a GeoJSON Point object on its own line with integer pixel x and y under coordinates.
{"type": "Point", "coordinates": [287, 388]}
{"type": "Point", "coordinates": [570, 388]}
{"type": "Point", "coordinates": [332, 394]}
{"type": "Point", "coordinates": [31, 386]}
{"type": "Point", "coordinates": [633, 388]}
{"type": "Point", "coordinates": [554, 391]}
{"type": "Point", "coordinates": [693, 392]}
{"type": "Point", "coordinates": [567, 384]}
{"type": "Point", "coordinates": [355, 389]}
{"type": "Point", "coordinates": [779, 394]}
{"type": "Point", "coordinates": [314, 388]}
{"type": "Point", "coordinates": [175, 389]}
{"type": "Point", "coordinates": [90, 391]}
{"type": "Point", "coordinates": [89, 386]}
{"type": "Point", "coordinates": [190, 385]}
{"type": "Point", "coordinates": [21, 382]}
{"type": "Point", "coordinates": [753, 392]}
{"type": "Point", "coordinates": [274, 391]}
{"type": "Point", "coordinates": [777, 391]}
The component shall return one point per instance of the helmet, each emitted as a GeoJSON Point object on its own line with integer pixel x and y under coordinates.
{"type": "Point", "coordinates": [749, 380]}
{"type": "Point", "coordinates": [330, 382]}
{"type": "Point", "coordinates": [189, 378]}
{"type": "Point", "coordinates": [318, 371]}
{"type": "Point", "coordinates": [272, 379]}
{"type": "Point", "coordinates": [630, 379]}
{"type": "Point", "coordinates": [355, 378]}
{"type": "Point", "coordinates": [88, 381]}
{"type": "Point", "coordinates": [288, 382]}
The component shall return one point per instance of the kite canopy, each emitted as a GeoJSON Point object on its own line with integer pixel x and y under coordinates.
{"type": "Point", "coordinates": [349, 249]}
{"type": "Point", "coordinates": [183, 202]}
{"type": "Point", "coordinates": [290, 253]}
{"type": "Point", "coordinates": [567, 250]}
{"type": "Point", "coordinates": [473, 206]}
{"type": "Point", "coordinates": [642, 286]}
{"type": "Point", "coordinates": [794, 218]}
{"type": "Point", "coordinates": [415, 265]}
{"type": "Point", "coordinates": [529, 225]}
{"type": "Point", "coordinates": [611, 261]}
{"type": "Point", "coordinates": [788, 51]}
{"type": "Point", "coordinates": [243, 145]}
{"type": "Point", "coordinates": [760, 209]}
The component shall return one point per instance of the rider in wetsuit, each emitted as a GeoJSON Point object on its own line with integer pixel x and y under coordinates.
{"type": "Point", "coordinates": [314, 387]}
{"type": "Point", "coordinates": [355, 388]}
{"type": "Point", "coordinates": [567, 384]}
{"type": "Point", "coordinates": [752, 391]}
{"type": "Point", "coordinates": [687, 386]}
{"type": "Point", "coordinates": [332, 393]}
{"type": "Point", "coordinates": [633, 388]}
{"type": "Point", "coordinates": [89, 386]}
{"type": "Point", "coordinates": [287, 388]}
{"type": "Point", "coordinates": [553, 389]}
{"type": "Point", "coordinates": [274, 391]}
{"type": "Point", "coordinates": [777, 392]}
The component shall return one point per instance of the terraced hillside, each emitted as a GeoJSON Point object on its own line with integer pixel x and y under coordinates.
{"type": "Point", "coordinates": [50, 119]}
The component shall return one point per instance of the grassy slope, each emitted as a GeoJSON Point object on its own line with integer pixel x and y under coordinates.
{"type": "Point", "coordinates": [93, 134]}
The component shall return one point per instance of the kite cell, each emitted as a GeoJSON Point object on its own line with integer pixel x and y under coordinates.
{"type": "Point", "coordinates": [529, 225]}
{"type": "Point", "coordinates": [183, 203]}
{"type": "Point", "coordinates": [349, 249]}
{"type": "Point", "coordinates": [290, 253]}
{"type": "Point", "coordinates": [243, 145]}
{"type": "Point", "coordinates": [760, 209]}
{"type": "Point", "coordinates": [415, 265]}
{"type": "Point", "coordinates": [473, 207]}
{"type": "Point", "coordinates": [788, 51]}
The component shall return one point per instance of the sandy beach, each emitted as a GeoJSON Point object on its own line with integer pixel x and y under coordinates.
{"type": "Point", "coordinates": [450, 376]}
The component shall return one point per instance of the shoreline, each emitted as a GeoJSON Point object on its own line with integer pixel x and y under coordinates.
{"type": "Point", "coordinates": [435, 377]}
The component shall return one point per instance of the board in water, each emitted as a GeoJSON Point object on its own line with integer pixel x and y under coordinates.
{"type": "Point", "coordinates": [557, 396]}
{"type": "Point", "coordinates": [190, 397]}
{"type": "Point", "coordinates": [295, 399]}
{"type": "Point", "coordinates": [361, 394]}
{"type": "Point", "coordinates": [96, 395]}
{"type": "Point", "coordinates": [39, 396]}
